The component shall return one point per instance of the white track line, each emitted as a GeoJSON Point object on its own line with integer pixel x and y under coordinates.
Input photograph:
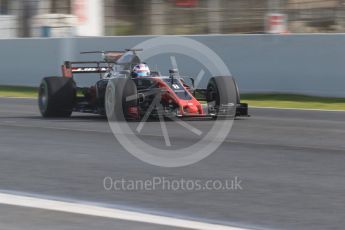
{"type": "Point", "coordinates": [93, 210]}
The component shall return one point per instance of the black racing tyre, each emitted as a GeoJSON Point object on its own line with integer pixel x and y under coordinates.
{"type": "Point", "coordinates": [120, 94]}
{"type": "Point", "coordinates": [238, 96]}
{"type": "Point", "coordinates": [56, 96]}
{"type": "Point", "coordinates": [222, 95]}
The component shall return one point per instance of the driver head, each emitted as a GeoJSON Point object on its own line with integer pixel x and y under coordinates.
{"type": "Point", "coordinates": [141, 70]}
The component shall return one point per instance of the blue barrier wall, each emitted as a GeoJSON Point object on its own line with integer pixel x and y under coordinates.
{"type": "Point", "coordinates": [308, 64]}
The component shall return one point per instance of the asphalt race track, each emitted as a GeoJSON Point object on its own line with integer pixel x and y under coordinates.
{"type": "Point", "coordinates": [291, 164]}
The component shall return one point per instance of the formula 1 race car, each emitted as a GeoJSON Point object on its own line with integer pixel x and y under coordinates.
{"type": "Point", "coordinates": [120, 96]}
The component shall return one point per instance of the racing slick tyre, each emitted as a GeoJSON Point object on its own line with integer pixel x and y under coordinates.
{"type": "Point", "coordinates": [56, 96]}
{"type": "Point", "coordinates": [241, 108]}
{"type": "Point", "coordinates": [120, 99]}
{"type": "Point", "coordinates": [238, 97]}
{"type": "Point", "coordinates": [222, 96]}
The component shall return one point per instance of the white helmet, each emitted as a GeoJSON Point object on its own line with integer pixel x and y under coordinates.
{"type": "Point", "coordinates": [141, 70]}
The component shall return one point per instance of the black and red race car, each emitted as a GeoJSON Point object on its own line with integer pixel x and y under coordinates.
{"type": "Point", "coordinates": [120, 96]}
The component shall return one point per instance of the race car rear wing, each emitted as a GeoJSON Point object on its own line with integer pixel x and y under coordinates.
{"type": "Point", "coordinates": [110, 58]}
{"type": "Point", "coordinates": [71, 68]}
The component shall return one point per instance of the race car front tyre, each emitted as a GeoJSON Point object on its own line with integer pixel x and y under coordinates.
{"type": "Point", "coordinates": [222, 96]}
{"type": "Point", "coordinates": [120, 96]}
{"type": "Point", "coordinates": [238, 96]}
{"type": "Point", "coordinates": [56, 96]}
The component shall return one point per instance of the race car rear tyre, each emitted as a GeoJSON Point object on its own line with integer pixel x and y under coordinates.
{"type": "Point", "coordinates": [120, 95]}
{"type": "Point", "coordinates": [222, 96]}
{"type": "Point", "coordinates": [56, 96]}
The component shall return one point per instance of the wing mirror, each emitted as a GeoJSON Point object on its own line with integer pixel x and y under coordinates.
{"type": "Point", "coordinates": [192, 81]}
{"type": "Point", "coordinates": [173, 71]}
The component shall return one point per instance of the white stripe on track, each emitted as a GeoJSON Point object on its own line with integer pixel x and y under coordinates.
{"type": "Point", "coordinates": [99, 211]}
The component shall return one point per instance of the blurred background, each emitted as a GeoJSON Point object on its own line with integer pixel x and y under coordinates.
{"type": "Point", "coordinates": [64, 18]}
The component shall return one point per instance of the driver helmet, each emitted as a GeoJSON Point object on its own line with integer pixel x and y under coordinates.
{"type": "Point", "coordinates": [141, 70]}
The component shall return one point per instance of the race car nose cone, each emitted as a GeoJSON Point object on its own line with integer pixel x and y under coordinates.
{"type": "Point", "coordinates": [191, 109]}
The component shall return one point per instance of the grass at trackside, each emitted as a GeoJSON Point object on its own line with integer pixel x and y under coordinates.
{"type": "Point", "coordinates": [18, 91]}
{"type": "Point", "coordinates": [260, 100]}
{"type": "Point", "coordinates": [293, 101]}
